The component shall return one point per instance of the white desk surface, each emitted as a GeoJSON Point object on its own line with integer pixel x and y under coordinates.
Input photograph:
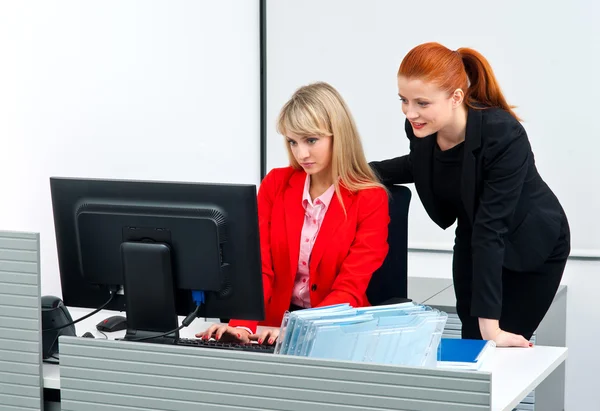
{"type": "Point", "coordinates": [515, 371]}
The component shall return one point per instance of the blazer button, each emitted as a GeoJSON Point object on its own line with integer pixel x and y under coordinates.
{"type": "Point", "coordinates": [314, 287]}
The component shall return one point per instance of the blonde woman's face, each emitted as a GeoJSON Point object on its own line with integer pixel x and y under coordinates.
{"type": "Point", "coordinates": [313, 153]}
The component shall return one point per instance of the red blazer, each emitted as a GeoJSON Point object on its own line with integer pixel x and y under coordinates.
{"type": "Point", "coordinates": [346, 252]}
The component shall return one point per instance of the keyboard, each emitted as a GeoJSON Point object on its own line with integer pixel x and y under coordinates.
{"type": "Point", "coordinates": [260, 348]}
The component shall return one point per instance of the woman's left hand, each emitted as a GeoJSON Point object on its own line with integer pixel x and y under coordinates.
{"type": "Point", "coordinates": [490, 330]}
{"type": "Point", "coordinates": [268, 336]}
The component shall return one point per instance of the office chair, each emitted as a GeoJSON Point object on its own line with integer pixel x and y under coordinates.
{"type": "Point", "coordinates": [389, 283]}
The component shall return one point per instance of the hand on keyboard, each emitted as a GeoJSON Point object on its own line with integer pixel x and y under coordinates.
{"type": "Point", "coordinates": [222, 332]}
{"type": "Point", "coordinates": [236, 346]}
{"type": "Point", "coordinates": [268, 336]}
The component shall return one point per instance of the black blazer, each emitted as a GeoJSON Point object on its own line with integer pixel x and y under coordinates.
{"type": "Point", "coordinates": [514, 218]}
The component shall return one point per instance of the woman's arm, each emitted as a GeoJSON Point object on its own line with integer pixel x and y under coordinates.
{"type": "Point", "coordinates": [506, 159]}
{"type": "Point", "coordinates": [367, 252]}
{"type": "Point", "coordinates": [396, 170]}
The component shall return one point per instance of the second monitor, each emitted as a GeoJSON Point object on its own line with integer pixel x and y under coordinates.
{"type": "Point", "coordinates": [161, 241]}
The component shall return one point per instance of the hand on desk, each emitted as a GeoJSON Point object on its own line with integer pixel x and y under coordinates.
{"type": "Point", "coordinates": [222, 332]}
{"type": "Point", "coordinates": [506, 339]}
{"type": "Point", "coordinates": [490, 330]}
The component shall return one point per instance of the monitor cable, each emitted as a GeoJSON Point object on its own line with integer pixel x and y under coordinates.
{"type": "Point", "coordinates": [198, 297]}
{"type": "Point", "coordinates": [112, 296]}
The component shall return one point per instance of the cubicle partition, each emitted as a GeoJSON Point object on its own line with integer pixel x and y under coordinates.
{"type": "Point", "coordinates": [20, 319]}
{"type": "Point", "coordinates": [101, 374]}
{"type": "Point", "coordinates": [98, 374]}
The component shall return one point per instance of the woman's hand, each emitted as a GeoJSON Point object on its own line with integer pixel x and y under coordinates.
{"type": "Point", "coordinates": [506, 339]}
{"type": "Point", "coordinates": [223, 332]}
{"type": "Point", "coordinates": [267, 336]}
{"type": "Point", "coordinates": [490, 330]}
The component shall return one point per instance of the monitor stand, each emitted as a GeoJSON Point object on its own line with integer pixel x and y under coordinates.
{"type": "Point", "coordinates": [149, 291]}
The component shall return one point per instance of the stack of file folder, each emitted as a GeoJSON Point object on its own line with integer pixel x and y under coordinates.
{"type": "Point", "coordinates": [399, 334]}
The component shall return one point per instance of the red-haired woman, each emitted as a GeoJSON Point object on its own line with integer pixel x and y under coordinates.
{"type": "Point", "coordinates": [471, 162]}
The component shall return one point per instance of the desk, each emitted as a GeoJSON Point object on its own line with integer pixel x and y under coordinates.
{"type": "Point", "coordinates": [550, 394]}
{"type": "Point", "coordinates": [419, 289]}
{"type": "Point", "coordinates": [109, 372]}
{"type": "Point", "coordinates": [514, 372]}
{"type": "Point", "coordinates": [51, 372]}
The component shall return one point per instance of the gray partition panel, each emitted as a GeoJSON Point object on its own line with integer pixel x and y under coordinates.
{"type": "Point", "coordinates": [20, 335]}
{"type": "Point", "coordinates": [116, 375]}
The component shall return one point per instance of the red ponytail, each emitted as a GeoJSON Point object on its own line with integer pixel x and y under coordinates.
{"type": "Point", "coordinates": [465, 68]}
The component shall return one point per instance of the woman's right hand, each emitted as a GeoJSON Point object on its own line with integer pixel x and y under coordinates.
{"type": "Point", "coordinates": [223, 332]}
{"type": "Point", "coordinates": [267, 336]}
{"type": "Point", "coordinates": [490, 330]}
{"type": "Point", "coordinates": [506, 339]}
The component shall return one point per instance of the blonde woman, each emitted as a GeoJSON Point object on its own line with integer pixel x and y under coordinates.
{"type": "Point", "coordinates": [323, 220]}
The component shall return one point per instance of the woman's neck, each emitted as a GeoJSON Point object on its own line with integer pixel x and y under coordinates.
{"type": "Point", "coordinates": [319, 183]}
{"type": "Point", "coordinates": [454, 133]}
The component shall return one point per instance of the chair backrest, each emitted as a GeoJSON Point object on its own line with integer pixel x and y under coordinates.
{"type": "Point", "coordinates": [390, 281]}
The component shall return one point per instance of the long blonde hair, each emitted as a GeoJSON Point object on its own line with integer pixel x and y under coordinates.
{"type": "Point", "coordinates": [318, 110]}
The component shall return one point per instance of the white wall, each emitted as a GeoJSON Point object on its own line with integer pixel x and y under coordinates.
{"type": "Point", "coordinates": [544, 54]}
{"type": "Point", "coordinates": [123, 89]}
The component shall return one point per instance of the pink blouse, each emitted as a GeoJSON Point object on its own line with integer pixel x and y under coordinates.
{"type": "Point", "coordinates": [313, 218]}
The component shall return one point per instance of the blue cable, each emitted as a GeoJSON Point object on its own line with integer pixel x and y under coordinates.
{"type": "Point", "coordinates": [198, 297]}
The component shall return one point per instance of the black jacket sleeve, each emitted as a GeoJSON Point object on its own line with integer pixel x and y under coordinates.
{"type": "Point", "coordinates": [505, 162]}
{"type": "Point", "coordinates": [396, 170]}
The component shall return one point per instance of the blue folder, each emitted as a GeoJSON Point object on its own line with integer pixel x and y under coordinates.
{"type": "Point", "coordinates": [460, 351]}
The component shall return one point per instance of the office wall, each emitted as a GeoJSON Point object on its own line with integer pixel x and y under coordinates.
{"type": "Point", "coordinates": [540, 52]}
{"type": "Point", "coordinates": [123, 89]}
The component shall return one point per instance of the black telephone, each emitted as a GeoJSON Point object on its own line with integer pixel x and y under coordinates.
{"type": "Point", "coordinates": [54, 314]}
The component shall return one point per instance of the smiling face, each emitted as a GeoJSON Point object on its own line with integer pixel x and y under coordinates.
{"type": "Point", "coordinates": [313, 153]}
{"type": "Point", "coordinates": [428, 108]}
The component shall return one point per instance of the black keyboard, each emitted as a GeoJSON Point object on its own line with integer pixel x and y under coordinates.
{"type": "Point", "coordinates": [267, 349]}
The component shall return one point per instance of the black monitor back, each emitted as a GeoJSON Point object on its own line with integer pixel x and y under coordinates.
{"type": "Point", "coordinates": [198, 221]}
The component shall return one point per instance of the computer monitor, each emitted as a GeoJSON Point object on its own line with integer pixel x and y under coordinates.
{"type": "Point", "coordinates": [159, 241]}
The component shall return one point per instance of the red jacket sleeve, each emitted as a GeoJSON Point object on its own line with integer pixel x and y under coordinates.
{"type": "Point", "coordinates": [367, 252]}
{"type": "Point", "coordinates": [267, 192]}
